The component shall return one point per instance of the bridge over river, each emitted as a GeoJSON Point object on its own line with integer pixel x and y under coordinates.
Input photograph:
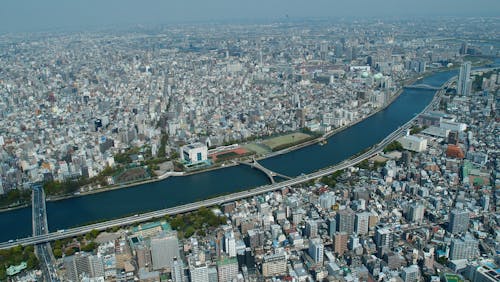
{"type": "Point", "coordinates": [422, 86]}
{"type": "Point", "coordinates": [270, 174]}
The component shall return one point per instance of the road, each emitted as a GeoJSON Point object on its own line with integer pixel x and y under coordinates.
{"type": "Point", "coordinates": [40, 227]}
{"type": "Point", "coordinates": [60, 234]}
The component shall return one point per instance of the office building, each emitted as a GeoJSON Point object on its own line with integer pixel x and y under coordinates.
{"type": "Point", "coordinates": [164, 248]}
{"type": "Point", "coordinates": [316, 248]}
{"type": "Point", "coordinates": [459, 221]}
{"type": "Point", "coordinates": [194, 153]}
{"type": "Point", "coordinates": [332, 227]}
{"type": "Point", "coordinates": [464, 83]}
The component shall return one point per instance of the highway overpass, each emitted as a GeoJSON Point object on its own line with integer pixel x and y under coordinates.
{"type": "Point", "coordinates": [228, 198]}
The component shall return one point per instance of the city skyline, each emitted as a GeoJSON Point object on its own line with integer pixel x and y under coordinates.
{"type": "Point", "coordinates": [29, 15]}
{"type": "Point", "coordinates": [322, 149]}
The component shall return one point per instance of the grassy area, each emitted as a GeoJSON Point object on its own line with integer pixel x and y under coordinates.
{"type": "Point", "coordinates": [281, 141]}
{"type": "Point", "coordinates": [257, 148]}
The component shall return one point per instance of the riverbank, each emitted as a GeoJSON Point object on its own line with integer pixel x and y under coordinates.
{"type": "Point", "coordinates": [231, 164]}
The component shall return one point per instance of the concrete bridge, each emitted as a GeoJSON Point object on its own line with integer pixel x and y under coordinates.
{"type": "Point", "coordinates": [422, 86]}
{"type": "Point", "coordinates": [270, 174]}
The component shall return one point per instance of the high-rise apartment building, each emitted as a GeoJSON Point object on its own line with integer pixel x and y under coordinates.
{"type": "Point", "coordinates": [227, 269]}
{"type": "Point", "coordinates": [464, 82]}
{"type": "Point", "coordinates": [345, 221]}
{"type": "Point", "coordinates": [459, 221]}
{"type": "Point", "coordinates": [463, 248]}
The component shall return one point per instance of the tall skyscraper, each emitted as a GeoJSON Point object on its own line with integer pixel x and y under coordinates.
{"type": "Point", "coordinates": [230, 243]}
{"type": "Point", "coordinates": [459, 221]}
{"type": "Point", "coordinates": [332, 226]}
{"type": "Point", "coordinates": [345, 221]}
{"type": "Point", "coordinates": [316, 248]}
{"type": "Point", "coordinates": [464, 82]}
{"type": "Point", "coordinates": [164, 248]}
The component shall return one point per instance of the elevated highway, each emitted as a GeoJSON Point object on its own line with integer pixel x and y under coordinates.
{"type": "Point", "coordinates": [43, 250]}
{"type": "Point", "coordinates": [43, 238]}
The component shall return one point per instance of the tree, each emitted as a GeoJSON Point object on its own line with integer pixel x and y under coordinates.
{"type": "Point", "coordinates": [69, 252]}
{"type": "Point", "coordinates": [393, 146]}
{"type": "Point", "coordinates": [57, 253]}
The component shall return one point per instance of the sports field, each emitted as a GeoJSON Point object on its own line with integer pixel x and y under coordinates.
{"type": "Point", "coordinates": [452, 278]}
{"type": "Point", "coordinates": [257, 148]}
{"type": "Point", "coordinates": [285, 139]}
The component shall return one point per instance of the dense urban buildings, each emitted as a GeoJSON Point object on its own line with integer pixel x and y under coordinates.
{"type": "Point", "coordinates": [181, 97]}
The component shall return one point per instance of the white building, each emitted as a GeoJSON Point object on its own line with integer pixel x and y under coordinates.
{"type": "Point", "coordinates": [464, 82]}
{"type": "Point", "coordinates": [194, 153]}
{"type": "Point", "coordinates": [413, 143]}
{"type": "Point", "coordinates": [230, 244]}
{"type": "Point", "coordinates": [453, 126]}
{"type": "Point", "coordinates": [410, 274]}
{"type": "Point", "coordinates": [198, 272]}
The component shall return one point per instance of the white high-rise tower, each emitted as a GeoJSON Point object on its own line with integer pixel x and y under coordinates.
{"type": "Point", "coordinates": [464, 82]}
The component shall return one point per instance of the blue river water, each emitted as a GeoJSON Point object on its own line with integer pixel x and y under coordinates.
{"type": "Point", "coordinates": [180, 190]}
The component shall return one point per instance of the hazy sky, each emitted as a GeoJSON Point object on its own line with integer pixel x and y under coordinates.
{"type": "Point", "coordinates": [32, 15]}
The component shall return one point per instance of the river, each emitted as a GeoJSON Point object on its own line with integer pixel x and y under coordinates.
{"type": "Point", "coordinates": [179, 190]}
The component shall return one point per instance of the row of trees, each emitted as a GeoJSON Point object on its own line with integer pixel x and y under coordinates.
{"type": "Point", "coordinates": [15, 197]}
{"type": "Point", "coordinates": [69, 246]}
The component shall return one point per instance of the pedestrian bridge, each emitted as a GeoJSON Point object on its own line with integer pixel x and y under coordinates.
{"type": "Point", "coordinates": [269, 173]}
{"type": "Point", "coordinates": [422, 86]}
